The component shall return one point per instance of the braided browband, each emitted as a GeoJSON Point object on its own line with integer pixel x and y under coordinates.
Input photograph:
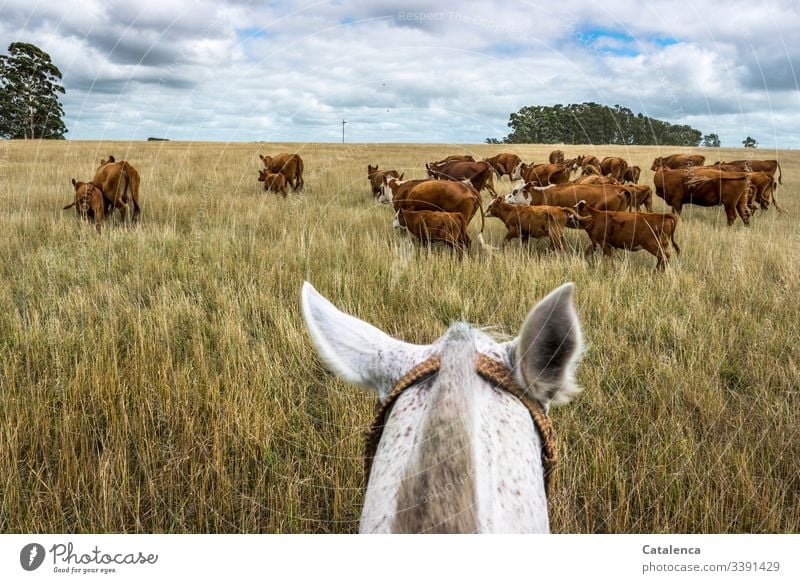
{"type": "Point", "coordinates": [491, 371]}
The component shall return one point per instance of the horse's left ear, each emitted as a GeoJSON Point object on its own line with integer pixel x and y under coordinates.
{"type": "Point", "coordinates": [354, 350]}
{"type": "Point", "coordinates": [548, 348]}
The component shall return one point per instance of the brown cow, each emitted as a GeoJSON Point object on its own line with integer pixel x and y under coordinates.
{"type": "Point", "coordinates": [89, 203]}
{"type": "Point", "coordinates": [505, 165]}
{"type": "Point", "coordinates": [546, 174]}
{"type": "Point", "coordinates": [432, 226]}
{"type": "Point", "coordinates": [290, 165]}
{"type": "Point", "coordinates": [455, 158]}
{"type": "Point", "coordinates": [640, 194]}
{"type": "Point", "coordinates": [394, 188]}
{"type": "Point", "coordinates": [119, 182]}
{"type": "Point", "coordinates": [676, 161]}
{"type": "Point", "coordinates": [556, 156]}
{"type": "Point", "coordinates": [767, 166]}
{"type": "Point", "coordinates": [479, 174]}
{"type": "Point", "coordinates": [588, 164]}
{"type": "Point", "coordinates": [527, 222]}
{"type": "Point", "coordinates": [438, 195]}
{"type": "Point", "coordinates": [601, 196]}
{"type": "Point", "coordinates": [632, 174]}
{"type": "Point", "coordinates": [274, 181]}
{"type": "Point", "coordinates": [376, 178]}
{"type": "Point", "coordinates": [595, 179]}
{"type": "Point", "coordinates": [705, 187]}
{"type": "Point", "coordinates": [652, 232]}
{"type": "Point", "coordinates": [614, 166]}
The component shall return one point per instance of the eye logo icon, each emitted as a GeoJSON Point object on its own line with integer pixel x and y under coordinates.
{"type": "Point", "coordinates": [31, 556]}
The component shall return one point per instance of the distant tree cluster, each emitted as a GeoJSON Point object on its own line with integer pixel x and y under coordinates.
{"type": "Point", "coordinates": [29, 88]}
{"type": "Point", "coordinates": [592, 123]}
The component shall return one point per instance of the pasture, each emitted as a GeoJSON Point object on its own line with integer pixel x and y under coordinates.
{"type": "Point", "coordinates": [160, 379]}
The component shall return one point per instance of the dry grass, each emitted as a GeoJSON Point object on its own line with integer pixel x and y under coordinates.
{"type": "Point", "coordinates": [159, 379]}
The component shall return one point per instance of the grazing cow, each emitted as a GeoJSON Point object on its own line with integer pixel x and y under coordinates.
{"type": "Point", "coordinates": [588, 164]}
{"type": "Point", "coordinates": [556, 156]}
{"type": "Point", "coordinates": [632, 174]}
{"type": "Point", "coordinates": [454, 158]}
{"type": "Point", "coordinates": [595, 179]}
{"type": "Point", "coordinates": [466, 450]}
{"type": "Point", "coordinates": [652, 232]}
{"type": "Point", "coordinates": [705, 187]}
{"type": "Point", "coordinates": [505, 165]}
{"type": "Point", "coordinates": [547, 174]}
{"type": "Point", "coordinates": [676, 161]}
{"type": "Point", "coordinates": [290, 165]}
{"type": "Point", "coordinates": [640, 194]}
{"type": "Point", "coordinates": [376, 178]}
{"type": "Point", "coordinates": [603, 196]}
{"type": "Point", "coordinates": [614, 166]}
{"type": "Point", "coordinates": [119, 182]}
{"type": "Point", "coordinates": [431, 226]}
{"type": "Point", "coordinates": [767, 166]}
{"type": "Point", "coordinates": [274, 181]}
{"type": "Point", "coordinates": [436, 195]}
{"type": "Point", "coordinates": [90, 204]}
{"type": "Point", "coordinates": [479, 174]}
{"type": "Point", "coordinates": [527, 222]}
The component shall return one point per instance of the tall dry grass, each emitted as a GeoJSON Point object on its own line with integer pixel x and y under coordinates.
{"type": "Point", "coordinates": [159, 379]}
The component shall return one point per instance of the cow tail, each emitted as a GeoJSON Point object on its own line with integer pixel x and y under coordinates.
{"type": "Point", "coordinates": [778, 207]}
{"type": "Point", "coordinates": [780, 174]}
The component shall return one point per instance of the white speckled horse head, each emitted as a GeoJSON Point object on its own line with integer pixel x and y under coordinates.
{"type": "Point", "coordinates": [456, 454]}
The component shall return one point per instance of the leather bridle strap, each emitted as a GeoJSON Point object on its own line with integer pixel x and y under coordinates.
{"type": "Point", "coordinates": [491, 371]}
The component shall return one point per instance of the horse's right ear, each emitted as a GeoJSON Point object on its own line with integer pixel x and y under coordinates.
{"type": "Point", "coordinates": [548, 348]}
{"type": "Point", "coordinates": [354, 350]}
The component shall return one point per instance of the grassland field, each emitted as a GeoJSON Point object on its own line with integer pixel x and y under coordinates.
{"type": "Point", "coordinates": [159, 378]}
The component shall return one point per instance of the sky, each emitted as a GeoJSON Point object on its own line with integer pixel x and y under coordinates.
{"type": "Point", "coordinates": [411, 71]}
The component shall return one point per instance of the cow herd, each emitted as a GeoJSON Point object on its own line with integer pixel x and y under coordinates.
{"type": "Point", "coordinates": [601, 197]}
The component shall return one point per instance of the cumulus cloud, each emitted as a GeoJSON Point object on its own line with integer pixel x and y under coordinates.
{"type": "Point", "coordinates": [403, 71]}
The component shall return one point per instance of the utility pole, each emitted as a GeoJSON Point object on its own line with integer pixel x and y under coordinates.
{"type": "Point", "coordinates": [343, 122]}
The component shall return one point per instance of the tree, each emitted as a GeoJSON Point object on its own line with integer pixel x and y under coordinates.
{"type": "Point", "coordinates": [711, 141]}
{"type": "Point", "coordinates": [749, 142]}
{"type": "Point", "coordinates": [592, 123]}
{"type": "Point", "coordinates": [29, 88]}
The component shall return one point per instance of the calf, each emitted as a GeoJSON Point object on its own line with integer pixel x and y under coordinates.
{"type": "Point", "coordinates": [290, 165]}
{"type": "Point", "coordinates": [556, 156]}
{"type": "Point", "coordinates": [376, 178]}
{"type": "Point", "coordinates": [632, 174]}
{"type": "Point", "coordinates": [274, 181]}
{"type": "Point", "coordinates": [534, 222]}
{"type": "Point", "coordinates": [652, 232]}
{"type": "Point", "coordinates": [432, 226]}
{"type": "Point", "coordinates": [454, 158]}
{"type": "Point", "coordinates": [89, 202]}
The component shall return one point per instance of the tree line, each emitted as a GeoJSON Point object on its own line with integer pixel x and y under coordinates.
{"type": "Point", "coordinates": [593, 123]}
